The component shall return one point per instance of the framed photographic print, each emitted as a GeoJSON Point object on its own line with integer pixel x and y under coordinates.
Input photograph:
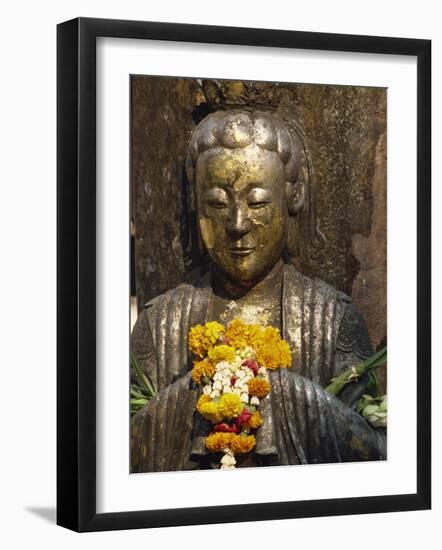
{"type": "Point", "coordinates": [243, 229]}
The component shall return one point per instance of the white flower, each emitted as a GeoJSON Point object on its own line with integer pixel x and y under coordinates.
{"type": "Point", "coordinates": [237, 390]}
{"type": "Point", "coordinates": [374, 410]}
{"type": "Point", "coordinates": [217, 385]}
{"type": "Point", "coordinates": [262, 371]}
{"type": "Point", "coordinates": [378, 420]}
{"type": "Point", "coordinates": [207, 390]}
{"type": "Point", "coordinates": [228, 461]}
{"type": "Point", "coordinates": [254, 400]}
{"type": "Point", "coordinates": [214, 393]}
{"type": "Point", "coordinates": [222, 366]}
{"type": "Point", "coordinates": [244, 397]}
{"type": "Point", "coordinates": [249, 353]}
{"type": "Point", "coordinates": [227, 389]}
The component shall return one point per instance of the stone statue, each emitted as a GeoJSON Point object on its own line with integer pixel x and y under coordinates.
{"type": "Point", "coordinates": [247, 180]}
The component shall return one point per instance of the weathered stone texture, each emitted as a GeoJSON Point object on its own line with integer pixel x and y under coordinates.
{"type": "Point", "coordinates": [161, 128]}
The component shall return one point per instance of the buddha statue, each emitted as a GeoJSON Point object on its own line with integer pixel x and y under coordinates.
{"type": "Point", "coordinates": [246, 187]}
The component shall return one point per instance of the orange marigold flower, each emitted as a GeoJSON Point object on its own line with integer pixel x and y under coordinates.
{"type": "Point", "coordinates": [272, 351]}
{"type": "Point", "coordinates": [242, 444]}
{"type": "Point", "coordinates": [230, 405]}
{"type": "Point", "coordinates": [255, 420]}
{"type": "Point", "coordinates": [240, 334]}
{"type": "Point", "coordinates": [196, 341]}
{"type": "Point", "coordinates": [259, 386]}
{"type": "Point", "coordinates": [221, 353]}
{"type": "Point", "coordinates": [219, 441]}
{"type": "Point", "coordinates": [201, 369]}
{"type": "Point", "coordinates": [202, 338]}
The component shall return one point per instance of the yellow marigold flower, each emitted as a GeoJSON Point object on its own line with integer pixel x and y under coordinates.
{"type": "Point", "coordinates": [202, 399]}
{"type": "Point", "coordinates": [221, 353]}
{"type": "Point", "coordinates": [210, 410]}
{"type": "Point", "coordinates": [240, 334]}
{"type": "Point", "coordinates": [242, 444]}
{"type": "Point", "coordinates": [255, 420]}
{"type": "Point", "coordinates": [213, 330]}
{"type": "Point", "coordinates": [218, 441]}
{"type": "Point", "coordinates": [230, 405]}
{"type": "Point", "coordinates": [202, 338]}
{"type": "Point", "coordinates": [271, 351]}
{"type": "Point", "coordinates": [202, 368]}
{"type": "Point", "coordinates": [259, 387]}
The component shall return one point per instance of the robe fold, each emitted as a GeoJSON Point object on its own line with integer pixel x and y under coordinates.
{"type": "Point", "coordinates": [302, 422]}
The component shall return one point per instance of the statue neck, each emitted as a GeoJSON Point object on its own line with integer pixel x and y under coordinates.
{"type": "Point", "coordinates": [230, 290]}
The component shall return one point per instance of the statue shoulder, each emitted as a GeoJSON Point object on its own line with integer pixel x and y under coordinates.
{"type": "Point", "coordinates": [351, 327]}
{"type": "Point", "coordinates": [314, 286]}
{"type": "Point", "coordinates": [159, 305]}
{"type": "Point", "coordinates": [145, 323]}
{"type": "Point", "coordinates": [170, 296]}
{"type": "Point", "coordinates": [186, 301]}
{"type": "Point", "coordinates": [178, 296]}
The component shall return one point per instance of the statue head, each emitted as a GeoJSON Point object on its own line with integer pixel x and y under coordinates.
{"type": "Point", "coordinates": [244, 170]}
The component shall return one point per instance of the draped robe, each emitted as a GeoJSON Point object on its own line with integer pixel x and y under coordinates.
{"type": "Point", "coordinates": [302, 422]}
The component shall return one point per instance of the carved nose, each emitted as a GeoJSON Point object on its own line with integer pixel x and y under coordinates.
{"type": "Point", "coordinates": [238, 224]}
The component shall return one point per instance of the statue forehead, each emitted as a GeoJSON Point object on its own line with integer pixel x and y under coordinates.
{"type": "Point", "coordinates": [251, 162]}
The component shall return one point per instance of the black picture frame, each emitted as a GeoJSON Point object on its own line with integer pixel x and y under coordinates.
{"type": "Point", "coordinates": [76, 273]}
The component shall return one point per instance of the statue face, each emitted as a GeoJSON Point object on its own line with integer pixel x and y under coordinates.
{"type": "Point", "coordinates": [242, 210]}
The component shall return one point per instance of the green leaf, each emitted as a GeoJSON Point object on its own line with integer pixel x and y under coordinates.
{"type": "Point", "coordinates": [370, 409]}
{"type": "Point", "coordinates": [354, 373]}
{"type": "Point", "coordinates": [141, 402]}
{"type": "Point", "coordinates": [141, 376]}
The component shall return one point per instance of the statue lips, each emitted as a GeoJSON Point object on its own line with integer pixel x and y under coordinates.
{"type": "Point", "coordinates": [241, 250]}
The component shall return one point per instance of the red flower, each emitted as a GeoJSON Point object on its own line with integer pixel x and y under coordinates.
{"type": "Point", "coordinates": [233, 380]}
{"type": "Point", "coordinates": [224, 427]}
{"type": "Point", "coordinates": [252, 364]}
{"type": "Point", "coordinates": [244, 417]}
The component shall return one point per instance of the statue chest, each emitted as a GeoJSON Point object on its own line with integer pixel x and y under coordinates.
{"type": "Point", "coordinates": [265, 311]}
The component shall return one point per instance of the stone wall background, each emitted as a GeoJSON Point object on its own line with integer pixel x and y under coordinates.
{"type": "Point", "coordinates": [345, 129]}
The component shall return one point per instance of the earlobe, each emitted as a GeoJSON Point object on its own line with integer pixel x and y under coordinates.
{"type": "Point", "coordinates": [295, 195]}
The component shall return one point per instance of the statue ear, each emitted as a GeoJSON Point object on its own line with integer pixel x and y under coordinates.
{"type": "Point", "coordinates": [192, 196]}
{"type": "Point", "coordinates": [295, 194]}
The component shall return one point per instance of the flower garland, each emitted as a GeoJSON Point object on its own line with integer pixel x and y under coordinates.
{"type": "Point", "coordinates": [231, 365]}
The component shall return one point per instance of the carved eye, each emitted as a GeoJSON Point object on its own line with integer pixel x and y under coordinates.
{"type": "Point", "coordinates": [217, 198]}
{"type": "Point", "coordinates": [259, 197]}
{"type": "Point", "coordinates": [217, 204]}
